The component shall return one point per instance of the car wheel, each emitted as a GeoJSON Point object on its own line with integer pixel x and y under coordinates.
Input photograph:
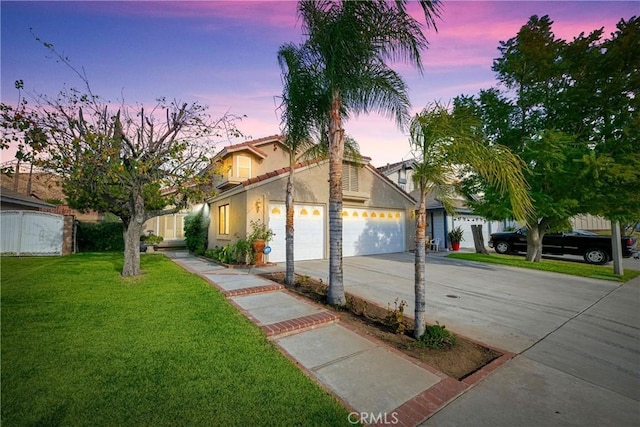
{"type": "Point", "coordinates": [596, 256]}
{"type": "Point", "coordinates": [502, 247]}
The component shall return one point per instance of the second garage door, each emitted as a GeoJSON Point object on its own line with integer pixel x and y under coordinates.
{"type": "Point", "coordinates": [372, 231]}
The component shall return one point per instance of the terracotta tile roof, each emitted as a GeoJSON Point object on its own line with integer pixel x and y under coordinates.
{"type": "Point", "coordinates": [252, 146]}
{"type": "Point", "coordinates": [279, 172]}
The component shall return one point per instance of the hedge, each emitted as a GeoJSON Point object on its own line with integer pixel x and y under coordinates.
{"type": "Point", "coordinates": [100, 237]}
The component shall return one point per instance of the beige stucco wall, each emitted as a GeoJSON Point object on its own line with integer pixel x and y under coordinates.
{"type": "Point", "coordinates": [277, 158]}
{"type": "Point", "coordinates": [237, 207]}
{"type": "Point", "coordinates": [311, 186]}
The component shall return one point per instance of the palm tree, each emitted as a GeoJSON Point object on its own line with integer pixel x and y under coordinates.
{"type": "Point", "coordinates": [305, 139]}
{"type": "Point", "coordinates": [344, 55]}
{"type": "Point", "coordinates": [297, 105]}
{"type": "Point", "coordinates": [443, 142]}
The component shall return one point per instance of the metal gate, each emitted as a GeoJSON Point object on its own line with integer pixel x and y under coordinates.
{"type": "Point", "coordinates": [31, 233]}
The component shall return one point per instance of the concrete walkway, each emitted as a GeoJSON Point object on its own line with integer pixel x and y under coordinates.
{"type": "Point", "coordinates": [573, 344]}
{"type": "Point", "coordinates": [376, 382]}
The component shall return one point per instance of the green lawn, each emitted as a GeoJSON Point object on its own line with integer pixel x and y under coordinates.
{"type": "Point", "coordinates": [82, 346]}
{"type": "Point", "coordinates": [566, 267]}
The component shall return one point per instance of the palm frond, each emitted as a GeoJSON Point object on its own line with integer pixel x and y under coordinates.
{"type": "Point", "coordinates": [443, 142]}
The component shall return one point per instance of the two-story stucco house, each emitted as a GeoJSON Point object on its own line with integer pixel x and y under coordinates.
{"type": "Point", "coordinates": [377, 215]}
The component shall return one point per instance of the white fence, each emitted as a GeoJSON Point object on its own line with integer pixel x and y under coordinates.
{"type": "Point", "coordinates": [31, 233]}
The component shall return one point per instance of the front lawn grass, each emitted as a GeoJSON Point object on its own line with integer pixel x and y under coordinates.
{"type": "Point", "coordinates": [83, 346]}
{"type": "Point", "coordinates": [556, 266]}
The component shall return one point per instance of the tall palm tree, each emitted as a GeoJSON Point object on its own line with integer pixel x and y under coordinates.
{"type": "Point", "coordinates": [347, 45]}
{"type": "Point", "coordinates": [305, 139]}
{"type": "Point", "coordinates": [443, 142]}
{"type": "Point", "coordinates": [297, 105]}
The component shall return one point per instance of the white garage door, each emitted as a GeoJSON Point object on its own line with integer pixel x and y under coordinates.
{"type": "Point", "coordinates": [465, 222]}
{"type": "Point", "coordinates": [308, 223]}
{"type": "Point", "coordinates": [372, 231]}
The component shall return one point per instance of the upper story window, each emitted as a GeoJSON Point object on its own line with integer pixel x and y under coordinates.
{"type": "Point", "coordinates": [243, 167]}
{"type": "Point", "coordinates": [349, 177]}
{"type": "Point", "coordinates": [402, 176]}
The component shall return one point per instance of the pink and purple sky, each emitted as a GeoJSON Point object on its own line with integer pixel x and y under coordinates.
{"type": "Point", "coordinates": [224, 54]}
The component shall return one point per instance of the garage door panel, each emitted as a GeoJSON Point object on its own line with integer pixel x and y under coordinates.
{"type": "Point", "coordinates": [308, 238]}
{"type": "Point", "coordinates": [465, 222]}
{"type": "Point", "coordinates": [371, 231]}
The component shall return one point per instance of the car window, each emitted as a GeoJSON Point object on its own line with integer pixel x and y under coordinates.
{"type": "Point", "coordinates": [583, 233]}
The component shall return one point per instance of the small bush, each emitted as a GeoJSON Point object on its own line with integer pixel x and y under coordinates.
{"type": "Point", "coordinates": [151, 239]}
{"type": "Point", "coordinates": [195, 232]}
{"type": "Point", "coordinates": [100, 236]}
{"type": "Point", "coordinates": [436, 336]}
{"type": "Point", "coordinates": [395, 317]}
{"type": "Point", "coordinates": [239, 252]}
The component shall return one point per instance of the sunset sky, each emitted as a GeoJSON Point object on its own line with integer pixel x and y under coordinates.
{"type": "Point", "coordinates": [224, 54]}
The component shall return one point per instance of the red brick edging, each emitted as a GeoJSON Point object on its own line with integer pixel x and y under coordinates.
{"type": "Point", "coordinates": [299, 323]}
{"type": "Point", "coordinates": [418, 409]}
{"type": "Point", "coordinates": [253, 290]}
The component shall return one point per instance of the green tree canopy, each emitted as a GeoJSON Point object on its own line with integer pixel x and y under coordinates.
{"type": "Point", "coordinates": [569, 110]}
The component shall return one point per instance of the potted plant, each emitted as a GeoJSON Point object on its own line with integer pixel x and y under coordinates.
{"type": "Point", "coordinates": [455, 237]}
{"type": "Point", "coordinates": [259, 237]}
{"type": "Point", "coordinates": [148, 242]}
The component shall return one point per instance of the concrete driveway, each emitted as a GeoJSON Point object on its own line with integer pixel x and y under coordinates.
{"type": "Point", "coordinates": [577, 339]}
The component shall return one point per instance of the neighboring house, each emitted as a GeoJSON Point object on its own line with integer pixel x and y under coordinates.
{"type": "Point", "coordinates": [44, 186]}
{"type": "Point", "coordinates": [590, 222]}
{"type": "Point", "coordinates": [401, 174]}
{"type": "Point", "coordinates": [12, 200]}
{"type": "Point", "coordinates": [170, 227]}
{"type": "Point", "coordinates": [377, 215]}
{"type": "Point", "coordinates": [439, 222]}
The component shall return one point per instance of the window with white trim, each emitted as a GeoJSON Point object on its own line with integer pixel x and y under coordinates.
{"type": "Point", "coordinates": [243, 167]}
{"type": "Point", "coordinates": [223, 220]}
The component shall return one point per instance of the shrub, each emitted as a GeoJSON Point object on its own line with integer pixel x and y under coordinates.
{"type": "Point", "coordinates": [151, 239]}
{"type": "Point", "coordinates": [195, 232]}
{"type": "Point", "coordinates": [395, 317]}
{"type": "Point", "coordinates": [436, 336]}
{"type": "Point", "coordinates": [99, 236]}
{"type": "Point", "coordinates": [243, 251]}
{"type": "Point", "coordinates": [239, 252]}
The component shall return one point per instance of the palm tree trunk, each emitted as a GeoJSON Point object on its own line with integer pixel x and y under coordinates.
{"type": "Point", "coordinates": [290, 270]}
{"type": "Point", "coordinates": [335, 295]}
{"type": "Point", "coordinates": [420, 279]}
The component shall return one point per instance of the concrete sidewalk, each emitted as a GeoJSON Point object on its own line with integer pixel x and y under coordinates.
{"type": "Point", "coordinates": [380, 384]}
